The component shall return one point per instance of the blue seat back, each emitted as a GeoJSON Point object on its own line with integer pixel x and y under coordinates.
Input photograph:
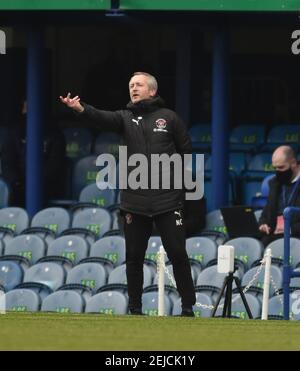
{"type": "Point", "coordinates": [22, 300]}
{"type": "Point", "coordinates": [150, 304]}
{"type": "Point", "coordinates": [97, 220]}
{"type": "Point", "coordinates": [74, 248]}
{"type": "Point", "coordinates": [110, 247]}
{"type": "Point", "coordinates": [103, 198]}
{"type": "Point", "coordinates": [202, 249]}
{"type": "Point", "coordinates": [31, 247]}
{"type": "Point", "coordinates": [63, 301]}
{"type": "Point", "coordinates": [108, 302]}
{"type": "Point", "coordinates": [92, 275]}
{"type": "Point", "coordinates": [78, 142]}
{"type": "Point", "coordinates": [4, 194]}
{"type": "Point", "coordinates": [11, 274]}
{"type": "Point", "coordinates": [50, 274]}
{"type": "Point", "coordinates": [56, 219]}
{"type": "Point", "coordinates": [14, 218]}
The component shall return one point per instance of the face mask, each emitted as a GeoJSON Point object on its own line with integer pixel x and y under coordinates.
{"type": "Point", "coordinates": [284, 177]}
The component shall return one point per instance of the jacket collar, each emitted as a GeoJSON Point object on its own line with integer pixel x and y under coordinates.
{"type": "Point", "coordinates": [147, 105]}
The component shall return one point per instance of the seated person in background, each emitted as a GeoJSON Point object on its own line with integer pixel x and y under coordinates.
{"type": "Point", "coordinates": [14, 161]}
{"type": "Point", "coordinates": [284, 192]}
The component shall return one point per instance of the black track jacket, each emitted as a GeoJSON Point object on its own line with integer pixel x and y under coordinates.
{"type": "Point", "coordinates": [148, 128]}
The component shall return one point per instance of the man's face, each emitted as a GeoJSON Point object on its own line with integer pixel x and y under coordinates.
{"type": "Point", "coordinates": [139, 89]}
{"type": "Point", "coordinates": [281, 163]}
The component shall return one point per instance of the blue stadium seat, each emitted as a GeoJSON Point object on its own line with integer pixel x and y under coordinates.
{"type": "Point", "coordinates": [14, 218]}
{"type": "Point", "coordinates": [201, 137]}
{"type": "Point", "coordinates": [74, 248]}
{"type": "Point", "coordinates": [46, 274]}
{"type": "Point", "coordinates": [277, 248]}
{"type": "Point", "coordinates": [247, 250]}
{"type": "Point", "coordinates": [211, 282]}
{"type": "Point", "coordinates": [31, 247]}
{"type": "Point", "coordinates": [111, 248]}
{"type": "Point", "coordinates": [4, 194]}
{"type": "Point", "coordinates": [92, 194]}
{"type": "Point", "coordinates": [288, 134]}
{"type": "Point", "coordinates": [260, 166]}
{"type": "Point", "coordinates": [92, 221]}
{"type": "Point", "coordinates": [11, 274]}
{"type": "Point", "coordinates": [276, 307]}
{"type": "Point", "coordinates": [117, 279]}
{"type": "Point", "coordinates": [22, 300]}
{"type": "Point", "coordinates": [150, 304]}
{"type": "Point", "coordinates": [63, 301]}
{"type": "Point", "coordinates": [238, 309]}
{"type": "Point", "coordinates": [84, 173]}
{"type": "Point", "coordinates": [201, 249]}
{"type": "Point", "coordinates": [108, 302]}
{"type": "Point", "coordinates": [247, 137]}
{"type": "Point", "coordinates": [257, 288]}
{"type": "Point", "coordinates": [56, 219]}
{"type": "Point", "coordinates": [78, 142]}
{"type": "Point", "coordinates": [92, 275]}
{"type": "Point", "coordinates": [198, 311]}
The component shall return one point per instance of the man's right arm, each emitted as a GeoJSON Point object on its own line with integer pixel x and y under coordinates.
{"type": "Point", "coordinates": [98, 119]}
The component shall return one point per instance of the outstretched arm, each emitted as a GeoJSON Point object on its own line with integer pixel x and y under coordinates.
{"type": "Point", "coordinates": [99, 119]}
{"type": "Point", "coordinates": [73, 103]}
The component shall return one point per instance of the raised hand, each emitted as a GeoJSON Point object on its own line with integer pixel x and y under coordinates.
{"type": "Point", "coordinates": [73, 103]}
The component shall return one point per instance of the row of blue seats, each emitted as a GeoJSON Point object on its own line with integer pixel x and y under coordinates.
{"type": "Point", "coordinates": [80, 141]}
{"type": "Point", "coordinates": [113, 299]}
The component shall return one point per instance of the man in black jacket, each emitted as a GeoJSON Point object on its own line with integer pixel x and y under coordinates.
{"type": "Point", "coordinates": [148, 128]}
{"type": "Point", "coordinates": [284, 192]}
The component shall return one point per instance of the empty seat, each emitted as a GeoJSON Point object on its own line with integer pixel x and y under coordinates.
{"type": "Point", "coordinates": [78, 142]}
{"type": "Point", "coordinates": [56, 219]}
{"type": "Point", "coordinates": [11, 274]}
{"type": "Point", "coordinates": [96, 220]}
{"type": "Point", "coordinates": [247, 137]}
{"type": "Point", "coordinates": [14, 218]}
{"type": "Point", "coordinates": [111, 248]}
{"type": "Point", "coordinates": [100, 197]}
{"type": "Point", "coordinates": [247, 250]}
{"type": "Point", "coordinates": [31, 247]}
{"type": "Point", "coordinates": [276, 306]}
{"type": "Point", "coordinates": [150, 304]}
{"type": "Point", "coordinates": [277, 248]}
{"type": "Point", "coordinates": [288, 134]}
{"type": "Point", "coordinates": [92, 275]}
{"type": "Point", "coordinates": [74, 248]}
{"type": "Point", "coordinates": [64, 302]}
{"type": "Point", "coordinates": [210, 281]}
{"type": "Point", "coordinates": [46, 274]}
{"type": "Point", "coordinates": [258, 284]}
{"type": "Point", "coordinates": [108, 302]}
{"type": "Point", "coordinates": [238, 309]}
{"type": "Point", "coordinates": [198, 311]}
{"type": "Point", "coordinates": [201, 249]}
{"type": "Point", "coordinates": [118, 275]}
{"type": "Point", "coordinates": [22, 300]}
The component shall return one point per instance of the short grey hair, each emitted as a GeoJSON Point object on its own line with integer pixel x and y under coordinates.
{"type": "Point", "coordinates": [152, 82]}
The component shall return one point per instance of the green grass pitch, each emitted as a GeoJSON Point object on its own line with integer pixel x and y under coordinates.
{"type": "Point", "coordinates": [45, 331]}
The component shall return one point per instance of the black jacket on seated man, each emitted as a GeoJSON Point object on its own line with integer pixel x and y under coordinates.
{"type": "Point", "coordinates": [280, 197]}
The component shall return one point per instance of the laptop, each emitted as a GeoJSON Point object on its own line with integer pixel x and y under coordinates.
{"type": "Point", "coordinates": [240, 221]}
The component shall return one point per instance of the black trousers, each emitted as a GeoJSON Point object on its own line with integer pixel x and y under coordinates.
{"type": "Point", "coordinates": [137, 230]}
